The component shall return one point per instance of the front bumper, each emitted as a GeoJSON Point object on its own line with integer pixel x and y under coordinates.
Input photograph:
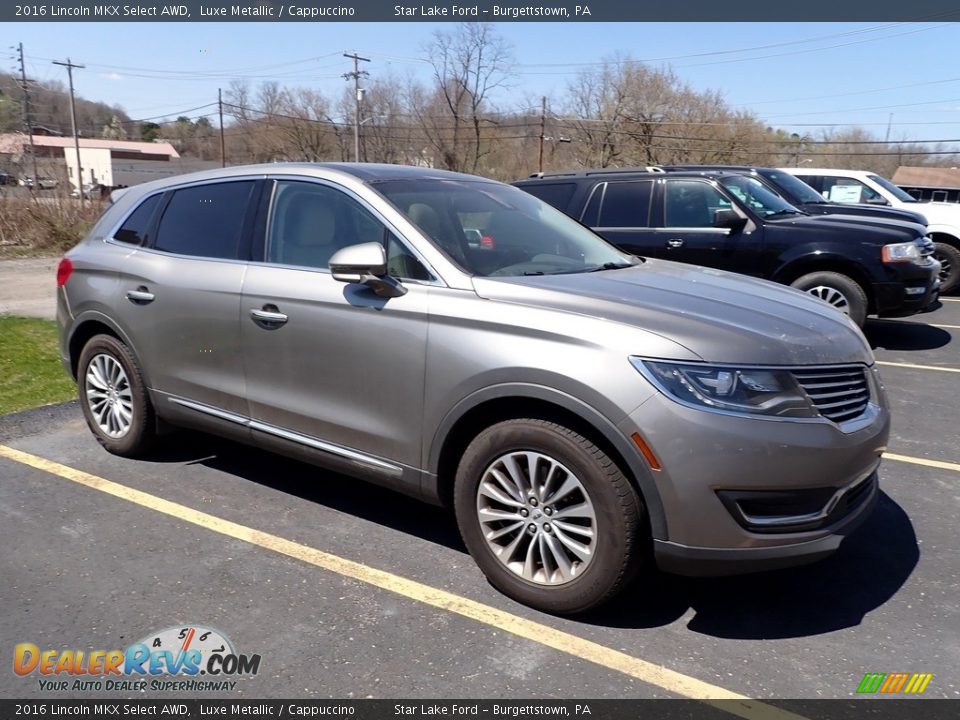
{"type": "Point", "coordinates": [709, 562]}
{"type": "Point", "coordinates": [917, 288]}
{"type": "Point", "coordinates": [710, 462]}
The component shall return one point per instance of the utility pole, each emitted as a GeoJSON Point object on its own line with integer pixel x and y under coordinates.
{"type": "Point", "coordinates": [27, 125]}
{"type": "Point", "coordinates": [73, 121]}
{"type": "Point", "coordinates": [356, 75]}
{"type": "Point", "coordinates": [543, 127]}
{"type": "Point", "coordinates": [223, 153]}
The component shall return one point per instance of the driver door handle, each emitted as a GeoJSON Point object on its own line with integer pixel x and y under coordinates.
{"type": "Point", "coordinates": [675, 242]}
{"type": "Point", "coordinates": [268, 317]}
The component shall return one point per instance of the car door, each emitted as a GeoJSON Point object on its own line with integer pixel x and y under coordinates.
{"type": "Point", "coordinates": [620, 212]}
{"type": "Point", "coordinates": [688, 234]}
{"type": "Point", "coordinates": [331, 366]}
{"type": "Point", "coordinates": [179, 294]}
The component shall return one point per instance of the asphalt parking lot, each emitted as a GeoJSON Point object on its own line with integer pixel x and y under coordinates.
{"type": "Point", "coordinates": [350, 591]}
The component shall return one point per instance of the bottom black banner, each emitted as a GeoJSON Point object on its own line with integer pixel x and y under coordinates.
{"type": "Point", "coordinates": [859, 709]}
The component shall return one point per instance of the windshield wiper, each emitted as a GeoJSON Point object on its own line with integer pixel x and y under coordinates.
{"type": "Point", "coordinates": [610, 266]}
{"type": "Point", "coordinates": [785, 211]}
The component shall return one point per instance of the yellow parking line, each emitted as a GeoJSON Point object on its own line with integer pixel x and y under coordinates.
{"type": "Point", "coordinates": [918, 367]}
{"type": "Point", "coordinates": [648, 672]}
{"type": "Point", "coordinates": [943, 299]}
{"type": "Point", "coordinates": [940, 464]}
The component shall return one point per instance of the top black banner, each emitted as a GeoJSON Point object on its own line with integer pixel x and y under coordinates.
{"type": "Point", "coordinates": [296, 11]}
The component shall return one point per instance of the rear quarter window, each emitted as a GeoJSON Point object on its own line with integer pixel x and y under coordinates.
{"type": "Point", "coordinates": [135, 227]}
{"type": "Point", "coordinates": [556, 194]}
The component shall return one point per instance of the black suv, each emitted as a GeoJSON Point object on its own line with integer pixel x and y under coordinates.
{"type": "Point", "coordinates": [732, 221]}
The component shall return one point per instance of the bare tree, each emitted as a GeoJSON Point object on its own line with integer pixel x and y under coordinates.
{"type": "Point", "coordinates": [469, 63]}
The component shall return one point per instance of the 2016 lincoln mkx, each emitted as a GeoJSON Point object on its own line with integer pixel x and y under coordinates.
{"type": "Point", "coordinates": [461, 341]}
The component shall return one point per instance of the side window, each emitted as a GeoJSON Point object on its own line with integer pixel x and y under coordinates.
{"type": "Point", "coordinates": [557, 194]}
{"type": "Point", "coordinates": [205, 220]}
{"type": "Point", "coordinates": [134, 229]}
{"type": "Point", "coordinates": [814, 181]}
{"type": "Point", "coordinates": [591, 214]}
{"type": "Point", "coordinates": [847, 190]}
{"type": "Point", "coordinates": [691, 203]}
{"type": "Point", "coordinates": [310, 222]}
{"type": "Point", "coordinates": [626, 204]}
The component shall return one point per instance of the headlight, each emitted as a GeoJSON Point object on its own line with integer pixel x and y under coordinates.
{"type": "Point", "coordinates": [901, 252]}
{"type": "Point", "coordinates": [745, 391]}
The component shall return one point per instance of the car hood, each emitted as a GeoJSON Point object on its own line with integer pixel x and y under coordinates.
{"type": "Point", "coordinates": [865, 211]}
{"type": "Point", "coordinates": [913, 229]}
{"type": "Point", "coordinates": [885, 231]}
{"type": "Point", "coordinates": [719, 316]}
{"type": "Point", "coordinates": [939, 212]}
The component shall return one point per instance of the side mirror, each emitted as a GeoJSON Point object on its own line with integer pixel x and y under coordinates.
{"type": "Point", "coordinates": [727, 218]}
{"type": "Point", "coordinates": [877, 201]}
{"type": "Point", "coordinates": [365, 264]}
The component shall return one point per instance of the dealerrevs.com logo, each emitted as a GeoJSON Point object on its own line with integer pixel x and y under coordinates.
{"type": "Point", "coordinates": [183, 658]}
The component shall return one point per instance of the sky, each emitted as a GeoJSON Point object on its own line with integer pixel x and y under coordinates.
{"type": "Point", "coordinates": [796, 76]}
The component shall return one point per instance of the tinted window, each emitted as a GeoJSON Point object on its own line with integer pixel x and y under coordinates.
{"type": "Point", "coordinates": [557, 194]}
{"type": "Point", "coordinates": [626, 204]}
{"type": "Point", "coordinates": [691, 203]}
{"type": "Point", "coordinates": [205, 220]}
{"type": "Point", "coordinates": [134, 230]}
{"type": "Point", "coordinates": [310, 222]}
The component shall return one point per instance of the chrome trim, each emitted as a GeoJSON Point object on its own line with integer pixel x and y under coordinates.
{"type": "Point", "coordinates": [215, 412]}
{"type": "Point", "coordinates": [316, 444]}
{"type": "Point", "coordinates": [823, 514]}
{"type": "Point", "coordinates": [312, 442]}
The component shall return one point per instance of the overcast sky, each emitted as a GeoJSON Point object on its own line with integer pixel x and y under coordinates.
{"type": "Point", "coordinates": [794, 76]}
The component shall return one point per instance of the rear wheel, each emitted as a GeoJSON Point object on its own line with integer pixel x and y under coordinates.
{"type": "Point", "coordinates": [844, 293]}
{"type": "Point", "coordinates": [548, 516]}
{"type": "Point", "coordinates": [949, 258]}
{"type": "Point", "coordinates": [114, 397]}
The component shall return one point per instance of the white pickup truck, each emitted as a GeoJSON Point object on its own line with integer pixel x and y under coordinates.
{"type": "Point", "coordinates": [864, 187]}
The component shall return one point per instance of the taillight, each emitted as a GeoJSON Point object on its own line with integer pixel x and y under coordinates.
{"type": "Point", "coordinates": [64, 269]}
{"type": "Point", "coordinates": [488, 242]}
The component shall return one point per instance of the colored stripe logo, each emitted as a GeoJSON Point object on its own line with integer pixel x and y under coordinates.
{"type": "Point", "coordinates": [894, 683]}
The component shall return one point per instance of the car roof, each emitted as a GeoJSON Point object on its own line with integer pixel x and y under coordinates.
{"type": "Point", "coordinates": [825, 171]}
{"type": "Point", "coordinates": [613, 172]}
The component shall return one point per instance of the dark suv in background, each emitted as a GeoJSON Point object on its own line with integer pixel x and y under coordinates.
{"type": "Point", "coordinates": [732, 221]}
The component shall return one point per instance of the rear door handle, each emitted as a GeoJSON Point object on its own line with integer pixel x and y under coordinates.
{"type": "Point", "coordinates": [140, 296]}
{"type": "Point", "coordinates": [675, 242]}
{"type": "Point", "coordinates": [268, 317]}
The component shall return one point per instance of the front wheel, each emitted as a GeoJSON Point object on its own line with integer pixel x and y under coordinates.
{"type": "Point", "coordinates": [844, 293]}
{"type": "Point", "coordinates": [114, 397]}
{"type": "Point", "coordinates": [949, 259]}
{"type": "Point", "coordinates": [548, 516]}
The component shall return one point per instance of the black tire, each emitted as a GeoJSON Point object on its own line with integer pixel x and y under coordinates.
{"type": "Point", "coordinates": [619, 527]}
{"type": "Point", "coordinates": [140, 433]}
{"type": "Point", "coordinates": [829, 286]}
{"type": "Point", "coordinates": [949, 257]}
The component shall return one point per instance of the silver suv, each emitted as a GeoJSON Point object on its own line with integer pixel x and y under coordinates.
{"type": "Point", "coordinates": [581, 409]}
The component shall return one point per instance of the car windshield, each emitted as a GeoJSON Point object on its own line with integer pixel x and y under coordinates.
{"type": "Point", "coordinates": [752, 193]}
{"type": "Point", "coordinates": [793, 186]}
{"type": "Point", "coordinates": [498, 230]}
{"type": "Point", "coordinates": [899, 194]}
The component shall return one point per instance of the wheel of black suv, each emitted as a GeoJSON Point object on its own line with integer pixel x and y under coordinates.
{"type": "Point", "coordinates": [114, 398]}
{"type": "Point", "coordinates": [842, 292]}
{"type": "Point", "coordinates": [949, 258]}
{"type": "Point", "coordinates": [548, 516]}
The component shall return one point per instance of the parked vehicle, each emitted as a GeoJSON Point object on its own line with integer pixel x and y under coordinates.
{"type": "Point", "coordinates": [7, 179]}
{"type": "Point", "coordinates": [574, 405]}
{"type": "Point", "coordinates": [731, 221]}
{"type": "Point", "coordinates": [43, 183]}
{"type": "Point", "coordinates": [859, 186]}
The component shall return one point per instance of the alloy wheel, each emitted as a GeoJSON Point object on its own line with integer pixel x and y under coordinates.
{"type": "Point", "coordinates": [833, 296]}
{"type": "Point", "coordinates": [108, 395]}
{"type": "Point", "coordinates": [537, 518]}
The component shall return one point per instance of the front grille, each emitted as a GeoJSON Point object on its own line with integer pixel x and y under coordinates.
{"type": "Point", "coordinates": [839, 393]}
